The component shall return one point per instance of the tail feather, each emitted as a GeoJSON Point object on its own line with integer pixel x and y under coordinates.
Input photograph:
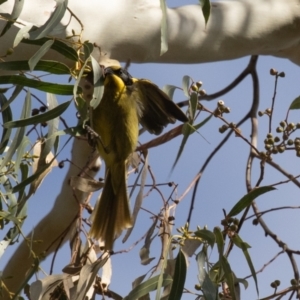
{"type": "Point", "coordinates": [112, 213]}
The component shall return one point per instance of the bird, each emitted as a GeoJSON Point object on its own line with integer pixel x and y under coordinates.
{"type": "Point", "coordinates": [126, 103]}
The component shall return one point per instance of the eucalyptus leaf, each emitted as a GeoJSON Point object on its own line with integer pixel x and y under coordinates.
{"type": "Point", "coordinates": [6, 117]}
{"type": "Point", "coordinates": [148, 286]}
{"type": "Point", "coordinates": [49, 115]}
{"type": "Point", "coordinates": [19, 133]}
{"type": "Point", "coordinates": [54, 88]}
{"type": "Point", "coordinates": [169, 90]}
{"type": "Point", "coordinates": [206, 7]}
{"type": "Point", "coordinates": [32, 62]}
{"type": "Point", "coordinates": [17, 9]}
{"type": "Point", "coordinates": [179, 277]}
{"type": "Point", "coordinates": [295, 104]}
{"type": "Point", "coordinates": [52, 22]}
{"type": "Point", "coordinates": [58, 46]}
{"type": "Point", "coordinates": [244, 246]}
{"type": "Point", "coordinates": [53, 67]}
{"type": "Point", "coordinates": [163, 28]}
{"type": "Point", "coordinates": [248, 199]}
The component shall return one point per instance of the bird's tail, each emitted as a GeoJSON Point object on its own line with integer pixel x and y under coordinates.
{"type": "Point", "coordinates": [112, 213]}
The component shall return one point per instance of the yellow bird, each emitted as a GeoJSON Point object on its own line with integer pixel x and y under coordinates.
{"type": "Point", "coordinates": [125, 103]}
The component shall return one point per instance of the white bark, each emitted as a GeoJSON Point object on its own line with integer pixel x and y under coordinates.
{"type": "Point", "coordinates": [131, 29]}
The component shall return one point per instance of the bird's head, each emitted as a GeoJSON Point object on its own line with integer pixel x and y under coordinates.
{"type": "Point", "coordinates": [122, 74]}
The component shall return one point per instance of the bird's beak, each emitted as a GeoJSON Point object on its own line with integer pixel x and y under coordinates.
{"type": "Point", "coordinates": [108, 71]}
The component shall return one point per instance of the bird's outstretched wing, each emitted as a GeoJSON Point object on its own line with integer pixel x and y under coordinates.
{"type": "Point", "coordinates": [157, 109]}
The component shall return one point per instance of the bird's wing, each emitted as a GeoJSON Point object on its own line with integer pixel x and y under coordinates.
{"type": "Point", "coordinates": [157, 109]}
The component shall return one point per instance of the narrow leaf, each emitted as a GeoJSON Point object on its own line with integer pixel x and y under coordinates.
{"type": "Point", "coordinates": [139, 198]}
{"type": "Point", "coordinates": [206, 235]}
{"type": "Point", "coordinates": [88, 49]}
{"type": "Point", "coordinates": [20, 152]}
{"type": "Point", "coordinates": [244, 246]}
{"type": "Point", "coordinates": [248, 198]}
{"type": "Point", "coordinates": [98, 81]}
{"type": "Point", "coordinates": [179, 277]}
{"type": "Point", "coordinates": [209, 289]}
{"type": "Point", "coordinates": [145, 250]}
{"type": "Point", "coordinates": [58, 89]}
{"type": "Point", "coordinates": [87, 276]}
{"type": "Point", "coordinates": [295, 104]}
{"type": "Point", "coordinates": [32, 62]}
{"type": "Point", "coordinates": [17, 90]}
{"type": "Point", "coordinates": [201, 261]}
{"type": "Point", "coordinates": [49, 115]}
{"type": "Point", "coordinates": [147, 286]}
{"type": "Point", "coordinates": [52, 126]}
{"type": "Point", "coordinates": [49, 66]}
{"type": "Point", "coordinates": [22, 34]}
{"type": "Point", "coordinates": [169, 90]}
{"type": "Point", "coordinates": [52, 22]}
{"type": "Point", "coordinates": [205, 4]}
{"type": "Point", "coordinates": [17, 9]}
{"type": "Point", "coordinates": [186, 85]}
{"type": "Point", "coordinates": [187, 130]}
{"type": "Point", "coordinates": [58, 46]}
{"type": "Point", "coordinates": [229, 276]}
{"type": "Point", "coordinates": [219, 240]}
{"type": "Point", "coordinates": [6, 117]}
{"type": "Point", "coordinates": [20, 132]}
{"type": "Point", "coordinates": [163, 28]}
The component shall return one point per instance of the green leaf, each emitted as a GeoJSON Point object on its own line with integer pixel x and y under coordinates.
{"type": "Point", "coordinates": [52, 126]}
{"type": "Point", "coordinates": [169, 90]}
{"type": "Point", "coordinates": [17, 9]}
{"type": "Point", "coordinates": [244, 246]}
{"type": "Point", "coordinates": [32, 62]}
{"type": "Point", "coordinates": [12, 200]}
{"type": "Point", "coordinates": [229, 276]}
{"type": "Point", "coordinates": [58, 89]}
{"type": "Point", "coordinates": [206, 235]}
{"type": "Point", "coordinates": [16, 92]}
{"type": "Point", "coordinates": [98, 83]}
{"type": "Point", "coordinates": [205, 4]}
{"type": "Point", "coordinates": [6, 117]}
{"type": "Point", "coordinates": [201, 262]}
{"type": "Point", "coordinates": [147, 286]}
{"type": "Point", "coordinates": [163, 28]}
{"type": "Point", "coordinates": [248, 198]}
{"type": "Point", "coordinates": [20, 132]}
{"type": "Point", "coordinates": [88, 49]}
{"type": "Point", "coordinates": [24, 175]}
{"type": "Point", "coordinates": [87, 276]}
{"type": "Point", "coordinates": [52, 22]}
{"type": "Point", "coordinates": [49, 115]}
{"type": "Point", "coordinates": [295, 104]}
{"type": "Point", "coordinates": [209, 289]}
{"type": "Point", "coordinates": [29, 180]}
{"type": "Point", "coordinates": [187, 130]}
{"type": "Point", "coordinates": [20, 152]}
{"type": "Point", "coordinates": [58, 46]}
{"type": "Point", "coordinates": [219, 240]}
{"type": "Point", "coordinates": [23, 32]}
{"type": "Point", "coordinates": [179, 277]}
{"type": "Point", "coordinates": [49, 66]}
{"type": "Point", "coordinates": [186, 85]}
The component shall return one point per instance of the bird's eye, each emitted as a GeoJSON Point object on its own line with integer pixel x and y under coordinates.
{"type": "Point", "coordinates": [121, 72]}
